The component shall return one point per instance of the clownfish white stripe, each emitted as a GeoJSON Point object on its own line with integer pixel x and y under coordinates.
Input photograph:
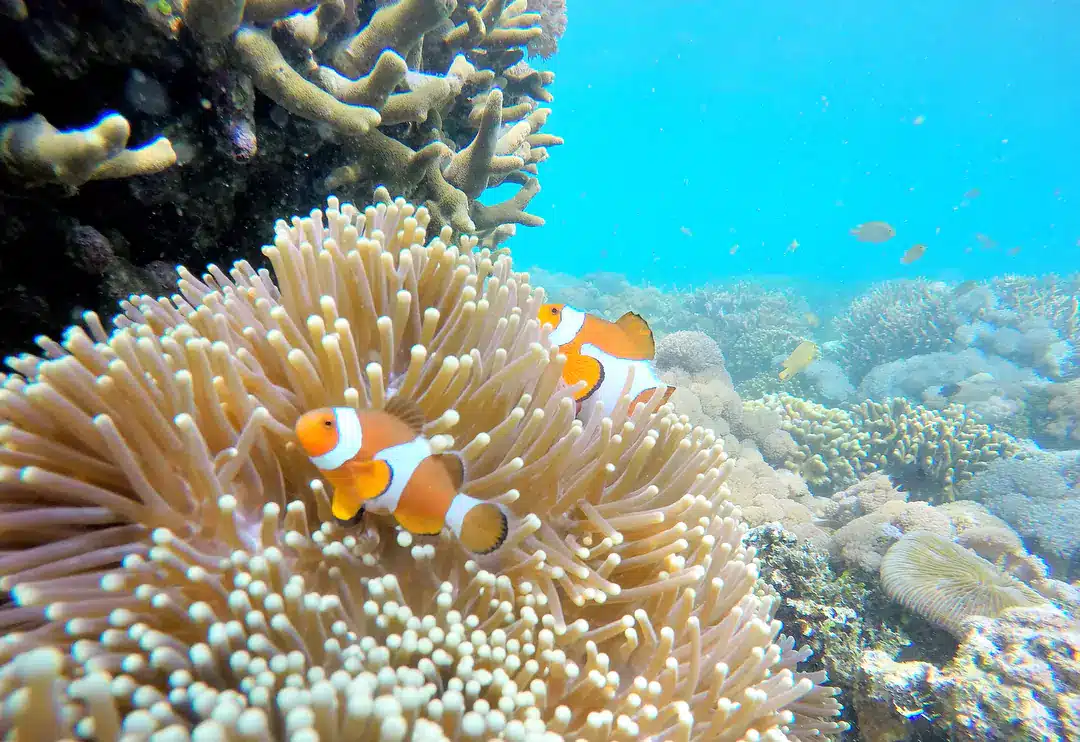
{"type": "Point", "coordinates": [616, 372]}
{"type": "Point", "coordinates": [350, 439]}
{"type": "Point", "coordinates": [403, 459]}
{"type": "Point", "coordinates": [570, 323]}
{"type": "Point", "coordinates": [459, 508]}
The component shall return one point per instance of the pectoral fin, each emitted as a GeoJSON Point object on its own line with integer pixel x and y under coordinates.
{"type": "Point", "coordinates": [424, 525]}
{"type": "Point", "coordinates": [365, 480]}
{"type": "Point", "coordinates": [583, 368]}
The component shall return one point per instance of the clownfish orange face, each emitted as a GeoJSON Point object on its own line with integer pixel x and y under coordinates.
{"type": "Point", "coordinates": [550, 314]}
{"type": "Point", "coordinates": [318, 432]}
{"type": "Point", "coordinates": [566, 320]}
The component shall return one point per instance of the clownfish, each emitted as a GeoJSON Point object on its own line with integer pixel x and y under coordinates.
{"type": "Point", "coordinates": [602, 353]}
{"type": "Point", "coordinates": [378, 461]}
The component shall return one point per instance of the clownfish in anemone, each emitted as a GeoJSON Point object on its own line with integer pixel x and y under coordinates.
{"type": "Point", "coordinates": [603, 354]}
{"type": "Point", "coordinates": [378, 461]}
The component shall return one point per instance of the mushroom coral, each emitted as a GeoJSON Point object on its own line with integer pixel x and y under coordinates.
{"type": "Point", "coordinates": [174, 571]}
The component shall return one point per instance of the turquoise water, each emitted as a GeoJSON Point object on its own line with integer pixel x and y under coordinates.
{"type": "Point", "coordinates": [694, 126]}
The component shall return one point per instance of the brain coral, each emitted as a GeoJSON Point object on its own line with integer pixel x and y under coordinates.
{"type": "Point", "coordinates": [174, 568]}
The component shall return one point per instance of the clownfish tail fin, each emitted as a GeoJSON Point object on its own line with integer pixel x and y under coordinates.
{"type": "Point", "coordinates": [481, 527]}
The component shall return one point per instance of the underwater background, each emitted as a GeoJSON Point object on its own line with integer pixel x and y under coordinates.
{"type": "Point", "coordinates": [715, 124]}
{"type": "Point", "coordinates": [747, 333]}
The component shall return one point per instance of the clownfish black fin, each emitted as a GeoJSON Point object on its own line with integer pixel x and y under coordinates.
{"type": "Point", "coordinates": [408, 412]}
{"type": "Point", "coordinates": [639, 332]}
{"type": "Point", "coordinates": [484, 527]}
{"type": "Point", "coordinates": [455, 467]}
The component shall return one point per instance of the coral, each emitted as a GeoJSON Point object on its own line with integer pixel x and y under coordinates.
{"type": "Point", "coordinates": [1033, 495]}
{"type": "Point", "coordinates": [924, 450]}
{"type": "Point", "coordinates": [866, 496]}
{"type": "Point", "coordinates": [689, 350]}
{"type": "Point", "coordinates": [756, 326]}
{"type": "Point", "coordinates": [1045, 303]}
{"type": "Point", "coordinates": [552, 22]}
{"type": "Point", "coordinates": [175, 567]}
{"type": "Point", "coordinates": [1014, 678]}
{"type": "Point", "coordinates": [431, 98]}
{"type": "Point", "coordinates": [944, 582]}
{"type": "Point", "coordinates": [894, 320]}
{"type": "Point", "coordinates": [836, 615]}
{"type": "Point", "coordinates": [864, 541]}
{"type": "Point", "coordinates": [995, 388]}
{"type": "Point", "coordinates": [37, 152]}
{"type": "Point", "coordinates": [1062, 423]}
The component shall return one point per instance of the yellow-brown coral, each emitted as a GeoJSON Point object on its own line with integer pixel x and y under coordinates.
{"type": "Point", "coordinates": [174, 566]}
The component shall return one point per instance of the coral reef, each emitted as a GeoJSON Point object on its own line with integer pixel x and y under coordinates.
{"type": "Point", "coordinates": [895, 319]}
{"type": "Point", "coordinates": [928, 451]}
{"type": "Point", "coordinates": [944, 582]}
{"type": "Point", "coordinates": [689, 350]}
{"type": "Point", "coordinates": [753, 323]}
{"type": "Point", "coordinates": [219, 103]}
{"type": "Point", "coordinates": [1036, 496]}
{"type": "Point", "coordinates": [175, 567]}
{"type": "Point", "coordinates": [837, 615]}
{"type": "Point", "coordinates": [1014, 677]}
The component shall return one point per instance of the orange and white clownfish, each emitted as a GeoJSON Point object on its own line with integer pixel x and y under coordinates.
{"type": "Point", "coordinates": [602, 354]}
{"type": "Point", "coordinates": [378, 461]}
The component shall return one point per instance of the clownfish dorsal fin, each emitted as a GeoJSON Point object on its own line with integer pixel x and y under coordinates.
{"type": "Point", "coordinates": [407, 412]}
{"type": "Point", "coordinates": [455, 467]}
{"type": "Point", "coordinates": [639, 332]}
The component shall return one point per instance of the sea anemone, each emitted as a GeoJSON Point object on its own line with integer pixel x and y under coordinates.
{"type": "Point", "coordinates": [173, 566]}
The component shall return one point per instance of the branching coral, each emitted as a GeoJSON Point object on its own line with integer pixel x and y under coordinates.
{"type": "Point", "coordinates": [174, 566]}
{"type": "Point", "coordinates": [408, 64]}
{"type": "Point", "coordinates": [895, 319]}
{"type": "Point", "coordinates": [37, 152]}
{"type": "Point", "coordinates": [921, 448]}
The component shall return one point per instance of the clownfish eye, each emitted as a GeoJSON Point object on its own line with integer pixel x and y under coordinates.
{"type": "Point", "coordinates": [554, 310]}
{"type": "Point", "coordinates": [328, 423]}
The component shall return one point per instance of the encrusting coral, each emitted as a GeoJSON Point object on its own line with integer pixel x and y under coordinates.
{"type": "Point", "coordinates": [174, 567]}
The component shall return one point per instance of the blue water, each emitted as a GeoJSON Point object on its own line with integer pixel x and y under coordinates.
{"type": "Point", "coordinates": [694, 126]}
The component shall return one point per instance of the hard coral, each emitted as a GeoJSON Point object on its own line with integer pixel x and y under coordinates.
{"type": "Point", "coordinates": [926, 450]}
{"type": "Point", "coordinates": [174, 566]}
{"type": "Point", "coordinates": [1014, 678]}
{"type": "Point", "coordinates": [895, 319]}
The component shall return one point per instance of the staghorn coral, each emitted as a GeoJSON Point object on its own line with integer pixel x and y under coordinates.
{"type": "Point", "coordinates": [174, 566]}
{"type": "Point", "coordinates": [944, 582]}
{"type": "Point", "coordinates": [927, 450]}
